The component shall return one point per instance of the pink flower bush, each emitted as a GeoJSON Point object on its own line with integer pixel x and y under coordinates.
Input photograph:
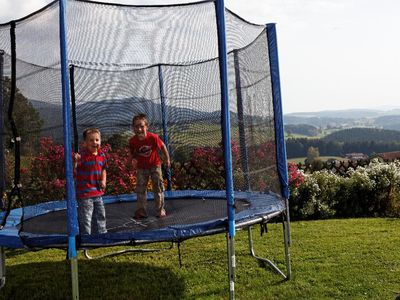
{"type": "Point", "coordinates": [204, 170]}
{"type": "Point", "coordinates": [296, 177]}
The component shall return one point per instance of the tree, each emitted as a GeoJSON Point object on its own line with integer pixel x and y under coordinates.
{"type": "Point", "coordinates": [26, 117]}
{"type": "Point", "coordinates": [312, 154]}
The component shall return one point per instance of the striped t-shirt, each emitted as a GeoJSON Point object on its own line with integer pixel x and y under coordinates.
{"type": "Point", "coordinates": [88, 174]}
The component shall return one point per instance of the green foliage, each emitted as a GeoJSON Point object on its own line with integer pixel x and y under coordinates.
{"type": "Point", "coordinates": [314, 198]}
{"type": "Point", "coordinates": [297, 147]}
{"type": "Point", "coordinates": [205, 169]}
{"type": "Point", "coordinates": [26, 118]}
{"type": "Point", "coordinates": [364, 135]}
{"type": "Point", "coordinates": [312, 154]}
{"type": "Point", "coordinates": [373, 190]}
{"type": "Point", "coordinates": [302, 129]}
{"type": "Point", "coordinates": [117, 141]}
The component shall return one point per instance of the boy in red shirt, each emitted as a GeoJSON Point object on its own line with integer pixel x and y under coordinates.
{"type": "Point", "coordinates": [91, 164]}
{"type": "Point", "coordinates": [144, 156]}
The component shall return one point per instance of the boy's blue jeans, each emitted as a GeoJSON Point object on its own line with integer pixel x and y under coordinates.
{"type": "Point", "coordinates": [91, 210]}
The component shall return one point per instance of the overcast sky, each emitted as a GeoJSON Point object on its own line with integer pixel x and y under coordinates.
{"type": "Point", "coordinates": [334, 54]}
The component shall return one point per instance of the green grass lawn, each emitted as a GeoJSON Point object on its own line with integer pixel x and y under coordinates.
{"type": "Point", "coordinates": [331, 259]}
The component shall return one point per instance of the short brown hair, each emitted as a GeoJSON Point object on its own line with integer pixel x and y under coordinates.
{"type": "Point", "coordinates": [88, 131]}
{"type": "Point", "coordinates": [140, 117]}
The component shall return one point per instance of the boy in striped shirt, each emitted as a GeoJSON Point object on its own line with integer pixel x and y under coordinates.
{"type": "Point", "coordinates": [91, 177]}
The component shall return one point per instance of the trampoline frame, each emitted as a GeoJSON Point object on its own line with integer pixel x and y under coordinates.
{"type": "Point", "coordinates": [264, 219]}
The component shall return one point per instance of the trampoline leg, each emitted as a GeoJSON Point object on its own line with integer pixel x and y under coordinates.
{"type": "Point", "coordinates": [179, 255]}
{"type": "Point", "coordinates": [2, 267]}
{"type": "Point", "coordinates": [74, 278]}
{"type": "Point", "coordinates": [88, 256]}
{"type": "Point", "coordinates": [287, 239]}
{"type": "Point", "coordinates": [265, 260]}
{"type": "Point", "coordinates": [231, 266]}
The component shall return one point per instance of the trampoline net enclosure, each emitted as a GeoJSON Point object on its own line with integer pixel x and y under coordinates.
{"type": "Point", "coordinates": [124, 60]}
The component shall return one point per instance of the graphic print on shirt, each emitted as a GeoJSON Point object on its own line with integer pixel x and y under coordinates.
{"type": "Point", "coordinates": [145, 151]}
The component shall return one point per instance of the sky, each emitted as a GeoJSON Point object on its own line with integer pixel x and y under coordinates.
{"type": "Point", "coordinates": [333, 54]}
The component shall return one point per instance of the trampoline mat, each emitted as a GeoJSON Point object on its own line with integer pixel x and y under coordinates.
{"type": "Point", "coordinates": [119, 216]}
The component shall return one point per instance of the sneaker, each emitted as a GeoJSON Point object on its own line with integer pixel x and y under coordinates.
{"type": "Point", "coordinates": [162, 214]}
{"type": "Point", "coordinates": [140, 214]}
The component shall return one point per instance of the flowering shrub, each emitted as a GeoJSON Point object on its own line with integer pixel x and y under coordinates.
{"type": "Point", "coordinates": [120, 178]}
{"type": "Point", "coordinates": [48, 179]}
{"type": "Point", "coordinates": [47, 173]}
{"type": "Point", "coordinates": [373, 190]}
{"type": "Point", "coordinates": [296, 178]}
{"type": "Point", "coordinates": [314, 197]}
{"type": "Point", "coordinates": [205, 169]}
{"type": "Point", "coordinates": [262, 163]}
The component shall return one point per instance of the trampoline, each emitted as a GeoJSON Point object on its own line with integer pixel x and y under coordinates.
{"type": "Point", "coordinates": [208, 81]}
{"type": "Point", "coordinates": [190, 214]}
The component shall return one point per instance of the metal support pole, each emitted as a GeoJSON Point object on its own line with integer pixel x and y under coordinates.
{"type": "Point", "coordinates": [287, 239]}
{"type": "Point", "coordinates": [2, 133]}
{"type": "Point", "coordinates": [74, 278]}
{"type": "Point", "coordinates": [72, 214]}
{"type": "Point", "coordinates": [226, 136]}
{"type": "Point", "coordinates": [164, 115]}
{"type": "Point", "coordinates": [232, 265]}
{"type": "Point", "coordinates": [265, 260]}
{"type": "Point", "coordinates": [242, 133]}
{"type": "Point", "coordinates": [2, 267]}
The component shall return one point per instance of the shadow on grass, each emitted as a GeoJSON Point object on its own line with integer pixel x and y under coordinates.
{"type": "Point", "coordinates": [97, 280]}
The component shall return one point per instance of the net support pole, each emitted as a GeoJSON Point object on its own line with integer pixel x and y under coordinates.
{"type": "Point", "coordinates": [2, 134]}
{"type": "Point", "coordinates": [73, 107]}
{"type": "Point", "coordinates": [72, 222]}
{"type": "Point", "coordinates": [279, 135]}
{"type": "Point", "coordinates": [226, 136]}
{"type": "Point", "coordinates": [242, 134]}
{"type": "Point", "coordinates": [164, 116]}
{"type": "Point", "coordinates": [16, 139]}
{"type": "Point", "coordinates": [2, 267]}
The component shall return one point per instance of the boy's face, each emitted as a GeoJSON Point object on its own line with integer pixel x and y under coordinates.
{"type": "Point", "coordinates": [93, 142]}
{"type": "Point", "coordinates": [140, 129]}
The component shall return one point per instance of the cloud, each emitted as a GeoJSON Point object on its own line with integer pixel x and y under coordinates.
{"type": "Point", "coordinates": [16, 9]}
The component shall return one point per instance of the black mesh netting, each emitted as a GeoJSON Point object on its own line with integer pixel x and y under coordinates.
{"type": "Point", "coordinates": [157, 60]}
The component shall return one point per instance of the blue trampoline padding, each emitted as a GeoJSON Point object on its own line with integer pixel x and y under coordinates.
{"type": "Point", "coordinates": [258, 206]}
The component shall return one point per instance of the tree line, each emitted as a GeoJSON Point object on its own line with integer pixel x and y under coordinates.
{"type": "Point", "coordinates": [297, 147]}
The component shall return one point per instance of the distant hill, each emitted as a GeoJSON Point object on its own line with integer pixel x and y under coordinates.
{"type": "Point", "coordinates": [115, 115]}
{"type": "Point", "coordinates": [347, 113]}
{"type": "Point", "coordinates": [384, 119]}
{"type": "Point", "coordinates": [302, 129]}
{"type": "Point", "coordinates": [355, 135]}
{"type": "Point", "coordinates": [388, 122]}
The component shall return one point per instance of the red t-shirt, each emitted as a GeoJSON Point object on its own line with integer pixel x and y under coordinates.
{"type": "Point", "coordinates": [146, 151]}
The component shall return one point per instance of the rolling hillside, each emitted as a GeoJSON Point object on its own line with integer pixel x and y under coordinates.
{"type": "Point", "coordinates": [355, 135]}
{"type": "Point", "coordinates": [340, 119]}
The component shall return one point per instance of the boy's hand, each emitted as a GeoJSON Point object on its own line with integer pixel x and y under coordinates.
{"type": "Point", "coordinates": [103, 185]}
{"type": "Point", "coordinates": [167, 163]}
{"type": "Point", "coordinates": [77, 157]}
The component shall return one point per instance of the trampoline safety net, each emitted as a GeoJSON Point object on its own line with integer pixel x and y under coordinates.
{"type": "Point", "coordinates": [124, 60]}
